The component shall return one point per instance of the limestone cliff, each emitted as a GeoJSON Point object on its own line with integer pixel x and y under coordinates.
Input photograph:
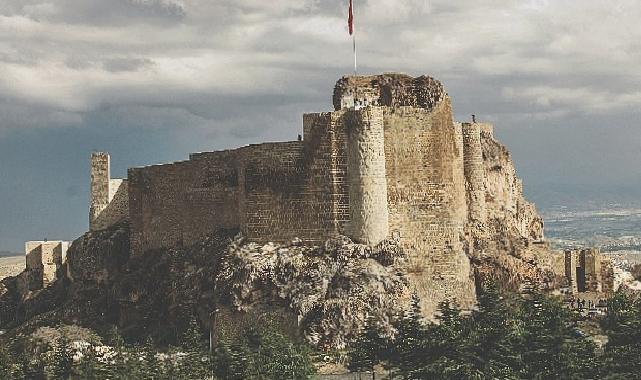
{"type": "Point", "coordinates": [508, 246]}
{"type": "Point", "coordinates": [326, 292]}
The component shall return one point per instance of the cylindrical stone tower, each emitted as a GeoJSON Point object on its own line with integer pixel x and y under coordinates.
{"type": "Point", "coordinates": [369, 217]}
{"type": "Point", "coordinates": [474, 172]}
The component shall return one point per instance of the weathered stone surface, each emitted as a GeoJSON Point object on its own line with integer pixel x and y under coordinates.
{"type": "Point", "coordinates": [389, 90]}
{"type": "Point", "coordinates": [509, 246]}
{"type": "Point", "coordinates": [329, 290]}
{"type": "Point", "coordinates": [98, 256]}
{"type": "Point", "coordinates": [442, 198]}
{"type": "Point", "coordinates": [109, 203]}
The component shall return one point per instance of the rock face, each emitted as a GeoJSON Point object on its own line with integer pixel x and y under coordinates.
{"type": "Point", "coordinates": [508, 246]}
{"type": "Point", "coordinates": [327, 292]}
{"type": "Point", "coordinates": [99, 256]}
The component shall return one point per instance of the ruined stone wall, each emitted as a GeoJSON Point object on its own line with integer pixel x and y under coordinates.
{"type": "Point", "coordinates": [109, 197]}
{"type": "Point", "coordinates": [591, 260]}
{"type": "Point", "coordinates": [474, 172]}
{"type": "Point", "coordinates": [571, 263]}
{"type": "Point", "coordinates": [44, 259]}
{"type": "Point", "coordinates": [391, 90]}
{"type": "Point", "coordinates": [426, 200]}
{"type": "Point", "coordinates": [587, 270]}
{"type": "Point", "coordinates": [366, 176]}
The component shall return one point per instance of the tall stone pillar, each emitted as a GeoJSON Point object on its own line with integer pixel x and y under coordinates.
{"type": "Point", "coordinates": [474, 172]}
{"type": "Point", "coordinates": [369, 216]}
{"type": "Point", "coordinates": [100, 172]}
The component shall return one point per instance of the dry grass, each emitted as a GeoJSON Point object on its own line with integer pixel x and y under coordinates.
{"type": "Point", "coordinates": [11, 266]}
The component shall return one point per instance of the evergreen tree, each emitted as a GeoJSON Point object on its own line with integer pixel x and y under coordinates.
{"type": "Point", "coordinates": [231, 362]}
{"type": "Point", "coordinates": [197, 362]}
{"type": "Point", "coordinates": [622, 324]}
{"type": "Point", "coordinates": [550, 344]}
{"type": "Point", "coordinates": [405, 350]}
{"type": "Point", "coordinates": [274, 356]}
{"type": "Point", "coordinates": [493, 334]}
{"type": "Point", "coordinates": [369, 348]}
{"type": "Point", "coordinates": [444, 353]}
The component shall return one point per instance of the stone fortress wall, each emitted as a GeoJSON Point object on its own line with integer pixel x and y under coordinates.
{"type": "Point", "coordinates": [389, 161]}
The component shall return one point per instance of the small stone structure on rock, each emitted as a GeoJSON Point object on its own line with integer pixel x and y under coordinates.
{"type": "Point", "coordinates": [587, 270]}
{"type": "Point", "coordinates": [44, 261]}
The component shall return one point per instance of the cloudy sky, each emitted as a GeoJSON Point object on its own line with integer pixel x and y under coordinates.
{"type": "Point", "coordinates": [152, 80]}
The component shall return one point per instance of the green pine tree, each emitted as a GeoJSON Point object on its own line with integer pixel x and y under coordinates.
{"type": "Point", "coordinates": [369, 348]}
{"type": "Point", "coordinates": [494, 334]}
{"type": "Point", "coordinates": [406, 350]}
{"type": "Point", "coordinates": [444, 353]}
{"type": "Point", "coordinates": [622, 324]}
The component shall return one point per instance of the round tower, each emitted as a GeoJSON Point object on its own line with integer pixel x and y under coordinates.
{"type": "Point", "coordinates": [474, 172]}
{"type": "Point", "coordinates": [369, 217]}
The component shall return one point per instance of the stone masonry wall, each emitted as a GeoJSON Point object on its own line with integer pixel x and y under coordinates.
{"type": "Point", "coordinates": [43, 261]}
{"type": "Point", "coordinates": [109, 197]}
{"type": "Point", "coordinates": [390, 90]}
{"type": "Point", "coordinates": [366, 176]}
{"type": "Point", "coordinates": [393, 169]}
{"type": "Point", "coordinates": [426, 196]}
{"type": "Point", "coordinates": [176, 204]}
{"type": "Point", "coordinates": [271, 192]}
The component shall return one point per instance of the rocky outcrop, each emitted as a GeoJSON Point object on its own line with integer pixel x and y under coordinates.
{"type": "Point", "coordinates": [99, 256]}
{"type": "Point", "coordinates": [329, 290]}
{"type": "Point", "coordinates": [508, 212]}
{"type": "Point", "coordinates": [509, 247]}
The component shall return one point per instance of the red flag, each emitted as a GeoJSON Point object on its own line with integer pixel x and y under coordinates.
{"type": "Point", "coordinates": [350, 19]}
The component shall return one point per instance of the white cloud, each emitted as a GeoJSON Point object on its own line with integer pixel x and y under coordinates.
{"type": "Point", "coordinates": [73, 55]}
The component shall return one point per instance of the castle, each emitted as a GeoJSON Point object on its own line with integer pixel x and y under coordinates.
{"type": "Point", "coordinates": [389, 161]}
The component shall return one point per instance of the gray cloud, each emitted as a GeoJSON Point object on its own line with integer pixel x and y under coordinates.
{"type": "Point", "coordinates": [215, 74]}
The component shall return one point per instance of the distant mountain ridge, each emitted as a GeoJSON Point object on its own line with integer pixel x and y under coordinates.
{"type": "Point", "coordinates": [9, 254]}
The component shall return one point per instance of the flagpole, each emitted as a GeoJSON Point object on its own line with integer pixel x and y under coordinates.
{"type": "Point", "coordinates": [354, 45]}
